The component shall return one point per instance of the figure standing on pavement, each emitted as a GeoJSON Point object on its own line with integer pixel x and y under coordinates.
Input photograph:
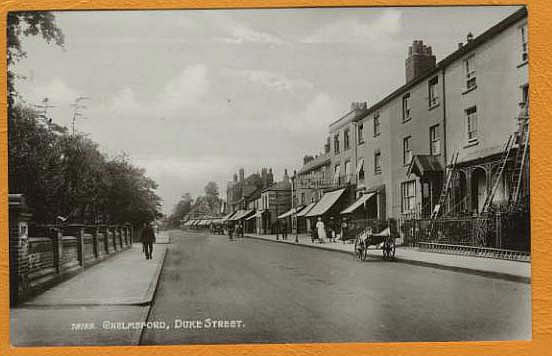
{"type": "Point", "coordinates": [284, 230]}
{"type": "Point", "coordinates": [321, 230]}
{"type": "Point", "coordinates": [148, 238]}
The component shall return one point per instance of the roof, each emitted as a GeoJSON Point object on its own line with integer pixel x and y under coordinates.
{"type": "Point", "coordinates": [285, 186]}
{"type": "Point", "coordinates": [357, 204]}
{"type": "Point", "coordinates": [459, 53]}
{"type": "Point", "coordinates": [325, 204]}
{"type": "Point", "coordinates": [306, 210]}
{"type": "Point", "coordinates": [421, 165]}
{"type": "Point", "coordinates": [319, 161]}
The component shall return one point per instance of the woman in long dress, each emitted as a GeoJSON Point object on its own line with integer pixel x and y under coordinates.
{"type": "Point", "coordinates": [321, 230]}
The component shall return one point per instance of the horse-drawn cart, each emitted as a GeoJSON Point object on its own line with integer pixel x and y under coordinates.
{"type": "Point", "coordinates": [383, 240]}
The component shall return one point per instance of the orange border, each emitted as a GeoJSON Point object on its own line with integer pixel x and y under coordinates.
{"type": "Point", "coordinates": [540, 28]}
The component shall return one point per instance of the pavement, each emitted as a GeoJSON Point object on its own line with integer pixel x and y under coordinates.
{"type": "Point", "coordinates": [216, 291]}
{"type": "Point", "coordinates": [497, 268]}
{"type": "Point", "coordinates": [120, 288]}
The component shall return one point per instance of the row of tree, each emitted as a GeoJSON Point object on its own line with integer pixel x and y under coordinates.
{"type": "Point", "coordinates": [66, 176]}
{"type": "Point", "coordinates": [208, 204]}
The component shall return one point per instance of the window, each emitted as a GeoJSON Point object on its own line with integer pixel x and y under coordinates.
{"type": "Point", "coordinates": [407, 153]}
{"type": "Point", "coordinates": [337, 169]}
{"type": "Point", "coordinates": [348, 171]}
{"type": "Point", "coordinates": [433, 93]}
{"type": "Point", "coordinates": [408, 194]}
{"type": "Point", "coordinates": [302, 198]}
{"type": "Point", "coordinates": [469, 65]}
{"type": "Point", "coordinates": [377, 162]}
{"type": "Point", "coordinates": [377, 129]}
{"type": "Point", "coordinates": [336, 144]}
{"type": "Point", "coordinates": [434, 140]}
{"type": "Point", "coordinates": [360, 130]}
{"type": "Point", "coordinates": [360, 170]}
{"type": "Point", "coordinates": [524, 48]}
{"type": "Point", "coordinates": [406, 107]}
{"type": "Point", "coordinates": [471, 125]}
{"type": "Point", "coordinates": [346, 140]}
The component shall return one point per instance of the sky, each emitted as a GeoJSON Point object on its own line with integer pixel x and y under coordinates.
{"type": "Point", "coordinates": [193, 95]}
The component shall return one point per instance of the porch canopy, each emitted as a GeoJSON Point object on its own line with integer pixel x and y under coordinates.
{"type": "Point", "coordinates": [423, 165]}
{"type": "Point", "coordinates": [357, 204]}
{"type": "Point", "coordinates": [290, 212]}
{"type": "Point", "coordinates": [328, 200]}
{"type": "Point", "coordinates": [304, 211]}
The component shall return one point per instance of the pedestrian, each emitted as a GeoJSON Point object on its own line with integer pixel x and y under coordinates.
{"type": "Point", "coordinates": [237, 230]}
{"type": "Point", "coordinates": [230, 231]}
{"type": "Point", "coordinates": [321, 230]}
{"type": "Point", "coordinates": [148, 238]}
{"type": "Point", "coordinates": [277, 228]}
{"type": "Point", "coordinates": [284, 230]}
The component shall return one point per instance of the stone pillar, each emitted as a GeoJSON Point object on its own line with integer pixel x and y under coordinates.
{"type": "Point", "coordinates": [469, 189]}
{"type": "Point", "coordinates": [18, 245]}
{"type": "Point", "coordinates": [57, 243]}
{"type": "Point", "coordinates": [77, 230]}
{"type": "Point", "coordinates": [113, 237]}
{"type": "Point", "coordinates": [103, 229]}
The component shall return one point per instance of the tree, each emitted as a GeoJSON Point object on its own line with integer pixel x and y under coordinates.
{"type": "Point", "coordinates": [211, 190]}
{"type": "Point", "coordinates": [182, 208]}
{"type": "Point", "coordinates": [28, 23]}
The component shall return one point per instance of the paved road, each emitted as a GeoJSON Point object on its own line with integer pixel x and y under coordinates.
{"type": "Point", "coordinates": [286, 294]}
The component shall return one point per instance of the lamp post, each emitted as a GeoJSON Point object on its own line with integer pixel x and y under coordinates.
{"type": "Point", "coordinates": [294, 207]}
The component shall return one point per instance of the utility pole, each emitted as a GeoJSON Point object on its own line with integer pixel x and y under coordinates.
{"type": "Point", "coordinates": [77, 114]}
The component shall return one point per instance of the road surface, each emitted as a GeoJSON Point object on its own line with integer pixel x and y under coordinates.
{"type": "Point", "coordinates": [263, 292]}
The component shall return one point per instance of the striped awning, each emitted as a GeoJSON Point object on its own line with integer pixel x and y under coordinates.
{"type": "Point", "coordinates": [328, 200]}
{"type": "Point", "coordinates": [357, 204]}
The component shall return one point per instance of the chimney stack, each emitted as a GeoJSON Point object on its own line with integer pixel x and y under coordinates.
{"type": "Point", "coordinates": [420, 60]}
{"type": "Point", "coordinates": [286, 177]}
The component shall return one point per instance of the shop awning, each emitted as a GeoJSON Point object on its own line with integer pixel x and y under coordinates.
{"type": "Point", "coordinates": [251, 217]}
{"type": "Point", "coordinates": [357, 204]}
{"type": "Point", "coordinates": [325, 204]}
{"type": "Point", "coordinates": [290, 212]}
{"type": "Point", "coordinates": [304, 211]}
{"type": "Point", "coordinates": [228, 216]}
{"type": "Point", "coordinates": [422, 165]}
{"type": "Point", "coordinates": [241, 214]}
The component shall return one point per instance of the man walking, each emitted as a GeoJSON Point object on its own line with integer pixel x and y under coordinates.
{"type": "Point", "coordinates": [148, 238]}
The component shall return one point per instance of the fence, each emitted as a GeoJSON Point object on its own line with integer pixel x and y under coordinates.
{"type": "Point", "coordinates": [500, 234]}
{"type": "Point", "coordinates": [41, 256]}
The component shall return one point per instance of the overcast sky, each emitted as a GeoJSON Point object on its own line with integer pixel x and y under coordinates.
{"type": "Point", "coordinates": [193, 95]}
